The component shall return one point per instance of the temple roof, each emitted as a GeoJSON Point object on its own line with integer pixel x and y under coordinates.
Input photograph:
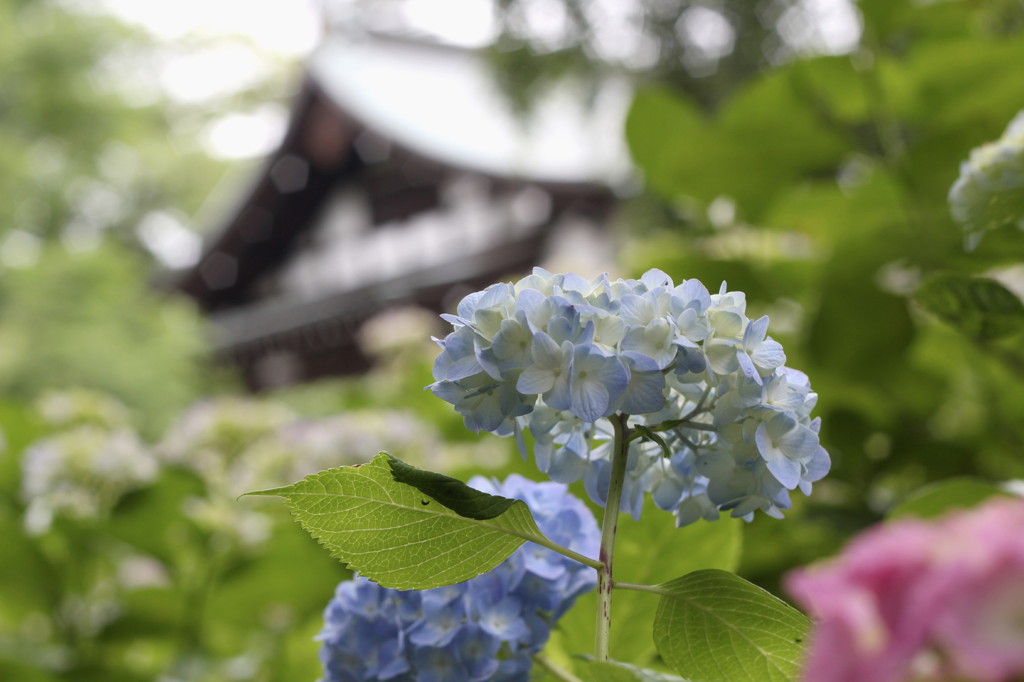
{"type": "Point", "coordinates": [444, 103]}
{"type": "Point", "coordinates": [443, 189]}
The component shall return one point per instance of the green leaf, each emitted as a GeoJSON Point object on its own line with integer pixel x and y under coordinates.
{"type": "Point", "coordinates": [768, 122]}
{"type": "Point", "coordinates": [848, 299]}
{"type": "Point", "coordinates": [150, 518]}
{"type": "Point", "coordinates": [939, 498]}
{"type": "Point", "coordinates": [938, 72]}
{"type": "Point", "coordinates": [705, 544]}
{"type": "Point", "coordinates": [451, 492]}
{"type": "Point", "coordinates": [665, 131]}
{"type": "Point", "coordinates": [701, 545]}
{"type": "Point", "coordinates": [613, 671]}
{"type": "Point", "coordinates": [713, 626]}
{"type": "Point", "coordinates": [977, 306]}
{"type": "Point", "coordinates": [396, 535]}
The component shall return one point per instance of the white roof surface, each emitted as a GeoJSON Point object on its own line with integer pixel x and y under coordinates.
{"type": "Point", "coordinates": [443, 103]}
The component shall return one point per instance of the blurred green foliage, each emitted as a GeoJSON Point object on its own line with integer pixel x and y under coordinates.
{"type": "Point", "coordinates": [819, 188]}
{"type": "Point", "coordinates": [81, 154]}
{"type": "Point", "coordinates": [92, 319]}
{"type": "Point", "coordinates": [677, 44]}
{"type": "Point", "coordinates": [815, 184]}
{"type": "Point", "coordinates": [152, 588]}
{"type": "Point", "coordinates": [178, 579]}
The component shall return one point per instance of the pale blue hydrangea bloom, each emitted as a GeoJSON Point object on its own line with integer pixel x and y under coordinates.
{"type": "Point", "coordinates": [487, 628]}
{"type": "Point", "coordinates": [989, 193]}
{"type": "Point", "coordinates": [557, 355]}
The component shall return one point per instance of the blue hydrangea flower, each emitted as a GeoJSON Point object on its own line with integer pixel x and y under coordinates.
{"type": "Point", "coordinates": [557, 355]}
{"type": "Point", "coordinates": [487, 628]}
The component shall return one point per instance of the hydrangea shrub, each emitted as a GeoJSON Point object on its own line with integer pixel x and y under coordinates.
{"type": "Point", "coordinates": [630, 386]}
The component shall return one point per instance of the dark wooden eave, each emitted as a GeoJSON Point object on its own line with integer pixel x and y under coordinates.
{"type": "Point", "coordinates": [319, 153]}
{"type": "Point", "coordinates": [259, 232]}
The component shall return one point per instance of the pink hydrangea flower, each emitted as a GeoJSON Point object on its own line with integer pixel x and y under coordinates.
{"type": "Point", "coordinates": [917, 600]}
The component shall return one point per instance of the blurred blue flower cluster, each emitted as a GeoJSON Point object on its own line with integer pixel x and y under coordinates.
{"type": "Point", "coordinates": [726, 425]}
{"type": "Point", "coordinates": [989, 192]}
{"type": "Point", "coordinates": [487, 628]}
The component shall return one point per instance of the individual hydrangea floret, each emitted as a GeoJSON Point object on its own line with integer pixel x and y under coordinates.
{"type": "Point", "coordinates": [728, 425]}
{"type": "Point", "coordinates": [487, 628]}
{"type": "Point", "coordinates": [917, 600]}
{"type": "Point", "coordinates": [989, 193]}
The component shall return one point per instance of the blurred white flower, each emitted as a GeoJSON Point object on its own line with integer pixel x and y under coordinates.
{"type": "Point", "coordinates": [82, 405]}
{"type": "Point", "coordinates": [81, 473]}
{"type": "Point", "coordinates": [990, 190]}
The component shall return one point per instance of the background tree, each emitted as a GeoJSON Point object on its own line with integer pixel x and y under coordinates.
{"type": "Point", "coordinates": [101, 166]}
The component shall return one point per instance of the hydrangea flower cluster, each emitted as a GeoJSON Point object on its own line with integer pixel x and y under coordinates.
{"type": "Point", "coordinates": [211, 436]}
{"type": "Point", "coordinates": [487, 628]}
{"type": "Point", "coordinates": [81, 473]}
{"type": "Point", "coordinates": [727, 425]}
{"type": "Point", "coordinates": [989, 192]}
{"type": "Point", "coordinates": [80, 406]}
{"type": "Point", "coordinates": [915, 600]}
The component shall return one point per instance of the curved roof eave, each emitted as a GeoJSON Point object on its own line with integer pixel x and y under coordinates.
{"type": "Point", "coordinates": [441, 102]}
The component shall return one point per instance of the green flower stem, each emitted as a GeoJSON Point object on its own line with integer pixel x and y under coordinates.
{"type": "Point", "coordinates": [653, 589]}
{"type": "Point", "coordinates": [556, 670]}
{"type": "Point", "coordinates": [564, 551]}
{"type": "Point", "coordinates": [685, 423]}
{"type": "Point", "coordinates": [620, 452]}
{"type": "Point", "coordinates": [198, 583]}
